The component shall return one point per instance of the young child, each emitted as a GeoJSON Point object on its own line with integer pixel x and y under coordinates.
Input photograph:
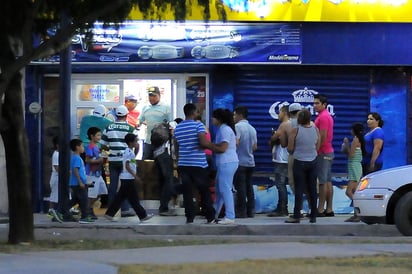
{"type": "Point", "coordinates": [54, 183]}
{"type": "Point", "coordinates": [354, 151]}
{"type": "Point", "coordinates": [95, 182]}
{"type": "Point", "coordinates": [128, 189]}
{"type": "Point", "coordinates": [77, 181]}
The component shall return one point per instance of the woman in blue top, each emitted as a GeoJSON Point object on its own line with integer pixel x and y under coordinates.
{"type": "Point", "coordinates": [374, 140]}
{"type": "Point", "coordinates": [226, 162]}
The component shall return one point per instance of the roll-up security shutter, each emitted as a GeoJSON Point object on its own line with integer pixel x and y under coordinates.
{"type": "Point", "coordinates": [264, 89]}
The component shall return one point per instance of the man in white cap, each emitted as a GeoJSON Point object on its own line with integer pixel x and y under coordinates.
{"type": "Point", "coordinates": [113, 139]}
{"type": "Point", "coordinates": [97, 119]}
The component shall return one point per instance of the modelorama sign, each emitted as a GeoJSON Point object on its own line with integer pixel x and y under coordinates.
{"type": "Point", "coordinates": [304, 11]}
{"type": "Point", "coordinates": [197, 42]}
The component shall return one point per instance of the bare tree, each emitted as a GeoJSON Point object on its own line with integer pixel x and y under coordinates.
{"type": "Point", "coordinates": [21, 23]}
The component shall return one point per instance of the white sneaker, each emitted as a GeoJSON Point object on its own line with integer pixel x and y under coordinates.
{"type": "Point", "coordinates": [110, 218]}
{"type": "Point", "coordinates": [226, 221]}
{"type": "Point", "coordinates": [148, 217]}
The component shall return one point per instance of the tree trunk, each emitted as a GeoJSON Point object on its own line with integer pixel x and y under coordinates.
{"type": "Point", "coordinates": [17, 164]}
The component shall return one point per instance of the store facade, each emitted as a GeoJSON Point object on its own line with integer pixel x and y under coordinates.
{"type": "Point", "coordinates": [362, 67]}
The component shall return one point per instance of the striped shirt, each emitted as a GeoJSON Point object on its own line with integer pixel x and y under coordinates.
{"type": "Point", "coordinates": [113, 137]}
{"type": "Point", "coordinates": [186, 134]}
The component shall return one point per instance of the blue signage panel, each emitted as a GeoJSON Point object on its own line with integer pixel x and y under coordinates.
{"type": "Point", "coordinates": [191, 42]}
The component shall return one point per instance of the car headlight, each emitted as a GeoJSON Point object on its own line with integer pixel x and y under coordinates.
{"type": "Point", "coordinates": [363, 184]}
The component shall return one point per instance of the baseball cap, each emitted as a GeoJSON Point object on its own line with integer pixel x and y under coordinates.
{"type": "Point", "coordinates": [153, 91]}
{"type": "Point", "coordinates": [99, 110]}
{"type": "Point", "coordinates": [295, 107]}
{"type": "Point", "coordinates": [121, 111]}
{"type": "Point", "coordinates": [130, 98]}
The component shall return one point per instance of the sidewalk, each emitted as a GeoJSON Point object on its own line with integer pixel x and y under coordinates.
{"type": "Point", "coordinates": [260, 233]}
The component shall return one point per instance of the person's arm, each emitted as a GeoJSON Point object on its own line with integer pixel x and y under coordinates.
{"type": "Point", "coordinates": [318, 142]}
{"type": "Point", "coordinates": [204, 143]}
{"type": "Point", "coordinates": [291, 141]}
{"type": "Point", "coordinates": [219, 148]}
{"type": "Point", "coordinates": [176, 146]}
{"type": "Point", "coordinates": [377, 147]}
{"type": "Point", "coordinates": [345, 146]}
{"type": "Point", "coordinates": [355, 144]}
{"type": "Point", "coordinates": [77, 176]}
{"type": "Point", "coordinates": [323, 133]}
{"type": "Point", "coordinates": [275, 138]}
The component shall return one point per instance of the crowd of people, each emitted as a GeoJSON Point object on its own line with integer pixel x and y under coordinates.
{"type": "Point", "coordinates": [302, 155]}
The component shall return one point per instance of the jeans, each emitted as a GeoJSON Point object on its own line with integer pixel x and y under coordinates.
{"type": "Point", "coordinates": [164, 164]}
{"type": "Point", "coordinates": [245, 202]}
{"type": "Point", "coordinates": [79, 196]}
{"type": "Point", "coordinates": [192, 176]}
{"type": "Point", "coordinates": [305, 174]}
{"type": "Point", "coordinates": [147, 152]}
{"type": "Point", "coordinates": [223, 189]}
{"type": "Point", "coordinates": [281, 173]}
{"type": "Point", "coordinates": [128, 190]}
{"type": "Point", "coordinates": [114, 184]}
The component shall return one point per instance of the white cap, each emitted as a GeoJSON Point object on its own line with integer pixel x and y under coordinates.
{"type": "Point", "coordinates": [295, 107]}
{"type": "Point", "coordinates": [99, 110]}
{"type": "Point", "coordinates": [121, 110]}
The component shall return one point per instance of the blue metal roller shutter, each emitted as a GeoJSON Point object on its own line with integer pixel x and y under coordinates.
{"type": "Point", "coordinates": [259, 87]}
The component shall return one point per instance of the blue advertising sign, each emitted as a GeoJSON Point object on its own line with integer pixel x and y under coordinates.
{"type": "Point", "coordinates": [190, 42]}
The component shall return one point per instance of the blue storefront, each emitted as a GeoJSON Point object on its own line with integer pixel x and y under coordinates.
{"type": "Point", "coordinates": [362, 67]}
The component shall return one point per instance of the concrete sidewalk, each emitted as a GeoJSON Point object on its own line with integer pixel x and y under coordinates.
{"type": "Point", "coordinates": [267, 237]}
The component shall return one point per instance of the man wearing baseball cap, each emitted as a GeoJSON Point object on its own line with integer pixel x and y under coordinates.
{"type": "Point", "coordinates": [113, 139]}
{"type": "Point", "coordinates": [130, 101]}
{"type": "Point", "coordinates": [152, 115]}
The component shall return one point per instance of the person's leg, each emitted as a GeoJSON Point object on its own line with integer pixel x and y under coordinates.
{"type": "Point", "coordinates": [131, 195]}
{"type": "Point", "coordinates": [187, 193]}
{"type": "Point", "coordinates": [322, 179]}
{"type": "Point", "coordinates": [218, 191]}
{"type": "Point", "coordinates": [311, 183]}
{"type": "Point", "coordinates": [299, 175]}
{"type": "Point", "coordinates": [291, 180]}
{"type": "Point", "coordinates": [83, 202]}
{"type": "Point", "coordinates": [283, 193]}
{"type": "Point", "coordinates": [201, 180]}
{"type": "Point", "coordinates": [164, 163]}
{"type": "Point", "coordinates": [329, 185]}
{"type": "Point", "coordinates": [226, 189]}
{"type": "Point", "coordinates": [239, 183]}
{"type": "Point", "coordinates": [250, 194]}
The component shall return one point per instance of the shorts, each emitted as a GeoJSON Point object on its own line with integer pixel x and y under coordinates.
{"type": "Point", "coordinates": [54, 189]}
{"type": "Point", "coordinates": [99, 188]}
{"type": "Point", "coordinates": [325, 167]}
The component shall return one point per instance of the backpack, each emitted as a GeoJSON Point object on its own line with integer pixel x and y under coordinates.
{"type": "Point", "coordinates": [160, 135]}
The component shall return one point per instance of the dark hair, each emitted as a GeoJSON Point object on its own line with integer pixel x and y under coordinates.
{"type": "Point", "coordinates": [359, 131]}
{"type": "Point", "coordinates": [377, 117]}
{"type": "Point", "coordinates": [225, 117]}
{"type": "Point", "coordinates": [74, 143]}
{"type": "Point", "coordinates": [323, 99]}
{"type": "Point", "coordinates": [178, 120]}
{"type": "Point", "coordinates": [241, 110]}
{"type": "Point", "coordinates": [304, 116]}
{"type": "Point", "coordinates": [129, 138]}
{"type": "Point", "coordinates": [189, 109]}
{"type": "Point", "coordinates": [285, 109]}
{"type": "Point", "coordinates": [55, 141]}
{"type": "Point", "coordinates": [92, 131]}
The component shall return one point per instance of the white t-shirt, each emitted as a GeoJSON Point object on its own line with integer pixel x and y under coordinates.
{"type": "Point", "coordinates": [128, 156]}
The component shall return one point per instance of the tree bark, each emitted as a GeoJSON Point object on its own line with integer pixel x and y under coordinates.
{"type": "Point", "coordinates": [17, 164]}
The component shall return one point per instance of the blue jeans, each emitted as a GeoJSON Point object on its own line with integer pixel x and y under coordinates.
{"type": "Point", "coordinates": [305, 174]}
{"type": "Point", "coordinates": [223, 188]}
{"type": "Point", "coordinates": [245, 202]}
{"type": "Point", "coordinates": [281, 173]}
{"type": "Point", "coordinates": [114, 184]}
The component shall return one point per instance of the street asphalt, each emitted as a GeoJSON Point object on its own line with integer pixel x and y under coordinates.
{"type": "Point", "coordinates": [266, 237]}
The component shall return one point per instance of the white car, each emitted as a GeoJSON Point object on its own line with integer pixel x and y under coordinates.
{"type": "Point", "coordinates": [385, 197]}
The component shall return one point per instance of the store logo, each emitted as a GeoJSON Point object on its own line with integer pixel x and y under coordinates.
{"type": "Point", "coordinates": [303, 96]}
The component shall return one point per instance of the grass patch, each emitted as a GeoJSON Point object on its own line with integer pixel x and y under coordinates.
{"type": "Point", "coordinates": [358, 265]}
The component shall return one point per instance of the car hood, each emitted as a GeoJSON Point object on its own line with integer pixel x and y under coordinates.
{"type": "Point", "coordinates": [391, 178]}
